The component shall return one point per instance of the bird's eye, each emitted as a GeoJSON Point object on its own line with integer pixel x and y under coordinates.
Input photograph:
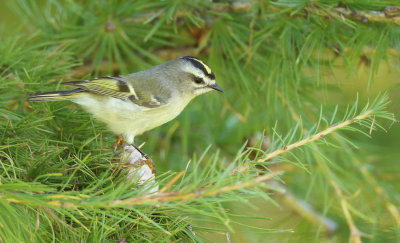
{"type": "Point", "coordinates": [198, 80]}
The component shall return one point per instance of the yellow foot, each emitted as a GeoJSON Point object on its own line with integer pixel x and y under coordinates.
{"type": "Point", "coordinates": [118, 143]}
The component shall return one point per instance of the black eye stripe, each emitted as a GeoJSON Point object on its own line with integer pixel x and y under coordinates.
{"type": "Point", "coordinates": [199, 65]}
{"type": "Point", "coordinates": [198, 80]}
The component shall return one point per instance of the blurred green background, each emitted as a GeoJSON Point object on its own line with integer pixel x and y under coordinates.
{"type": "Point", "coordinates": [280, 62]}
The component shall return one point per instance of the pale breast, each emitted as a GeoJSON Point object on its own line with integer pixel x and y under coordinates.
{"type": "Point", "coordinates": [125, 117]}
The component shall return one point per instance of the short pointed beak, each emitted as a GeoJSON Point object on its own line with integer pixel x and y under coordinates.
{"type": "Point", "coordinates": [216, 87]}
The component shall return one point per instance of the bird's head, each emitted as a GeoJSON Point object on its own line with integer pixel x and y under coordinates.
{"type": "Point", "coordinates": [194, 76]}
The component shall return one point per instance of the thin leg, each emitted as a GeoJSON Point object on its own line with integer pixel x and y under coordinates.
{"type": "Point", "coordinates": [141, 152]}
{"type": "Point", "coordinates": [121, 141]}
{"type": "Point", "coordinates": [149, 162]}
{"type": "Point", "coordinates": [128, 140]}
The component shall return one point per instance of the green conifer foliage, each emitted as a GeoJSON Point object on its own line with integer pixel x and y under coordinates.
{"type": "Point", "coordinates": [302, 146]}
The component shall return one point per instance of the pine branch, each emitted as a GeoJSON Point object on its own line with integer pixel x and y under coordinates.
{"type": "Point", "coordinates": [73, 202]}
{"type": "Point", "coordinates": [315, 137]}
{"type": "Point", "coordinates": [172, 53]}
{"type": "Point", "coordinates": [179, 196]}
{"type": "Point", "coordinates": [57, 172]}
{"type": "Point", "coordinates": [333, 128]}
{"type": "Point", "coordinates": [388, 15]}
{"type": "Point", "coordinates": [355, 234]}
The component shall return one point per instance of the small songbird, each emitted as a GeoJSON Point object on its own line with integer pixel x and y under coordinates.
{"type": "Point", "coordinates": [135, 103]}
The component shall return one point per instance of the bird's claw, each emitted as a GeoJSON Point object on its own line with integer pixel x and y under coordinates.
{"type": "Point", "coordinates": [119, 142]}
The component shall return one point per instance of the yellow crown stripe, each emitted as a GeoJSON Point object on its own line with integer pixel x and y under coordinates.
{"type": "Point", "coordinates": [208, 69]}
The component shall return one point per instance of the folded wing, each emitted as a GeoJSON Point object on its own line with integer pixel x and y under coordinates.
{"type": "Point", "coordinates": [118, 88]}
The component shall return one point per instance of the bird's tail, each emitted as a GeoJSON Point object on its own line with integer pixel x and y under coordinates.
{"type": "Point", "coordinates": [56, 95]}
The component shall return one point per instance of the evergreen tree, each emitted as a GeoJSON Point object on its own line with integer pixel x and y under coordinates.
{"type": "Point", "coordinates": [302, 145]}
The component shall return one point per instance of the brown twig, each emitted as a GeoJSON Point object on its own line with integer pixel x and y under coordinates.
{"type": "Point", "coordinates": [307, 140]}
{"type": "Point", "coordinates": [388, 15]}
{"type": "Point", "coordinates": [78, 201]}
{"type": "Point", "coordinates": [385, 16]}
{"type": "Point", "coordinates": [178, 196]}
{"type": "Point", "coordinates": [315, 137]}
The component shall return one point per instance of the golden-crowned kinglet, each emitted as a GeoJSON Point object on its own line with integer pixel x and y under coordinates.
{"type": "Point", "coordinates": [134, 103]}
